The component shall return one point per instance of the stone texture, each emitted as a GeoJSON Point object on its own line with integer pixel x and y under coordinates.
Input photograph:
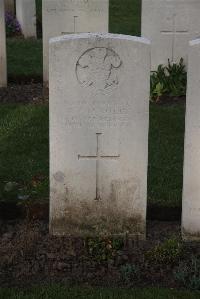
{"type": "Point", "coordinates": [10, 6]}
{"type": "Point", "coordinates": [3, 63]}
{"type": "Point", "coordinates": [170, 25]}
{"type": "Point", "coordinates": [71, 16]}
{"type": "Point", "coordinates": [191, 186]}
{"type": "Point", "coordinates": [26, 15]}
{"type": "Point", "coordinates": [99, 134]}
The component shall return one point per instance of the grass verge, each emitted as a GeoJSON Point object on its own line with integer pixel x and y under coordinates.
{"type": "Point", "coordinates": [24, 59]}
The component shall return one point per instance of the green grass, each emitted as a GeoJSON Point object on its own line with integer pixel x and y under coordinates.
{"type": "Point", "coordinates": [125, 17]}
{"type": "Point", "coordinates": [61, 292]}
{"type": "Point", "coordinates": [24, 151]}
{"type": "Point", "coordinates": [25, 56]}
{"type": "Point", "coordinates": [166, 145]}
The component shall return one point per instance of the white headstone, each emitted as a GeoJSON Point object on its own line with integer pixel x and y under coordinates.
{"type": "Point", "coordinates": [191, 185]}
{"type": "Point", "coordinates": [26, 15]}
{"type": "Point", "coordinates": [10, 6]}
{"type": "Point", "coordinates": [3, 63]}
{"type": "Point", "coordinates": [71, 16]}
{"type": "Point", "coordinates": [99, 134]}
{"type": "Point", "coordinates": [170, 24]}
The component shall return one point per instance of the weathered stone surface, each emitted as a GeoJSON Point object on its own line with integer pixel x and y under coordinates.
{"type": "Point", "coordinates": [71, 16]}
{"type": "Point", "coordinates": [99, 134]}
{"type": "Point", "coordinates": [3, 63]}
{"type": "Point", "coordinates": [170, 25]}
{"type": "Point", "coordinates": [10, 6]}
{"type": "Point", "coordinates": [191, 186]}
{"type": "Point", "coordinates": [26, 15]}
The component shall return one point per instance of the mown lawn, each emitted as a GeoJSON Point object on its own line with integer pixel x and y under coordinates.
{"type": "Point", "coordinates": [166, 146]}
{"type": "Point", "coordinates": [24, 156]}
{"type": "Point", "coordinates": [61, 292]}
{"type": "Point", "coordinates": [125, 17]}
{"type": "Point", "coordinates": [24, 59]}
{"type": "Point", "coordinates": [24, 161]}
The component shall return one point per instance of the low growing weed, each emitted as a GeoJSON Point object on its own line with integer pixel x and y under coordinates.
{"type": "Point", "coordinates": [168, 252]}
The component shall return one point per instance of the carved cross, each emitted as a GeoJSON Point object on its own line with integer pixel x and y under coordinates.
{"type": "Point", "coordinates": [98, 157]}
{"type": "Point", "coordinates": [174, 33]}
{"type": "Point", "coordinates": [75, 26]}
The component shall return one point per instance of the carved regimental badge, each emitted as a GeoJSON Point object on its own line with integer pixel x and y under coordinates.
{"type": "Point", "coordinates": [98, 68]}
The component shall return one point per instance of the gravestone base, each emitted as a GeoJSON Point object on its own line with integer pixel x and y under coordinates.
{"type": "Point", "coordinates": [45, 90]}
{"type": "Point", "coordinates": [189, 236]}
{"type": "Point", "coordinates": [96, 219]}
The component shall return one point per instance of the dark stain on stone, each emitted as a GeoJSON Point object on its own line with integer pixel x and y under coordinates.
{"type": "Point", "coordinates": [59, 177]}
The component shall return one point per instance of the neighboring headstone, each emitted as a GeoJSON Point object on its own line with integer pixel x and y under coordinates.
{"type": "Point", "coordinates": [99, 134]}
{"type": "Point", "coordinates": [26, 15]}
{"type": "Point", "coordinates": [191, 185]}
{"type": "Point", "coordinates": [71, 16]}
{"type": "Point", "coordinates": [3, 63]}
{"type": "Point", "coordinates": [10, 6]}
{"type": "Point", "coordinates": [170, 24]}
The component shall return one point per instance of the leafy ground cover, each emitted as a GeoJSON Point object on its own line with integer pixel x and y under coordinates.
{"type": "Point", "coordinates": [31, 256]}
{"type": "Point", "coordinates": [169, 80]}
{"type": "Point", "coordinates": [61, 292]}
{"type": "Point", "coordinates": [24, 153]}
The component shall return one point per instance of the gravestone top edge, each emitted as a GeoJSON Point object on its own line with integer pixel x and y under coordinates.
{"type": "Point", "coordinates": [79, 36]}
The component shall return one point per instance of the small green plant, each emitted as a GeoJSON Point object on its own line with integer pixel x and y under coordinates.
{"type": "Point", "coordinates": [188, 273]}
{"type": "Point", "coordinates": [21, 192]}
{"type": "Point", "coordinates": [168, 252]}
{"type": "Point", "coordinates": [103, 249]}
{"type": "Point", "coordinates": [169, 80]}
{"type": "Point", "coordinates": [129, 273]}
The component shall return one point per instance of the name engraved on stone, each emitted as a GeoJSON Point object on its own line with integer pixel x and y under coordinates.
{"type": "Point", "coordinates": [98, 68]}
{"type": "Point", "coordinates": [73, 6]}
{"type": "Point", "coordinates": [98, 157]}
{"type": "Point", "coordinates": [99, 113]}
